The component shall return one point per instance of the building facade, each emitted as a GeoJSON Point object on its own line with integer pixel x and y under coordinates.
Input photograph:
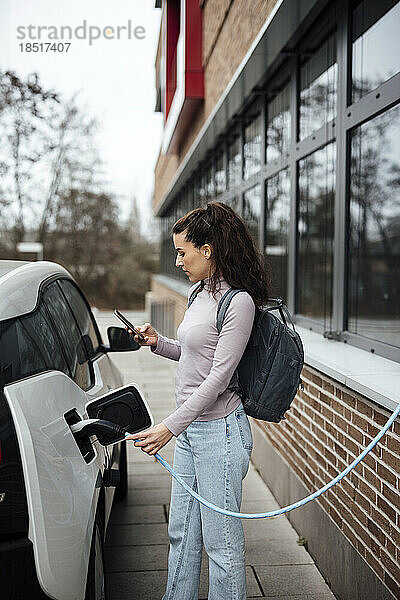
{"type": "Point", "coordinates": [289, 111]}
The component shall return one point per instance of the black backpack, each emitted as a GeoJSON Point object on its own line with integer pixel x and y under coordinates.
{"type": "Point", "coordinates": [268, 373]}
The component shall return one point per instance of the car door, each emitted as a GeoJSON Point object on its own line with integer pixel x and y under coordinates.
{"type": "Point", "coordinates": [106, 376]}
{"type": "Point", "coordinates": [50, 384]}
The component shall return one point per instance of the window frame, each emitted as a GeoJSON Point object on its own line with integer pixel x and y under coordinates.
{"type": "Point", "coordinates": [46, 284]}
{"type": "Point", "coordinates": [98, 352]}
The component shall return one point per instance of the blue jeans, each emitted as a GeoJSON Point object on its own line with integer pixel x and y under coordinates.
{"type": "Point", "coordinates": [213, 458]}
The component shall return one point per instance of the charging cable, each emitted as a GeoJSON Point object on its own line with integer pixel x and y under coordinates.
{"type": "Point", "coordinates": [280, 511]}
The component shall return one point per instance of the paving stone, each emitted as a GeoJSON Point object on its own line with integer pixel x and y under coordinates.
{"type": "Point", "coordinates": [145, 497]}
{"type": "Point", "coordinates": [277, 528]}
{"type": "Point", "coordinates": [274, 553]}
{"type": "Point", "coordinates": [136, 558]}
{"type": "Point", "coordinates": [122, 514]}
{"type": "Point", "coordinates": [137, 535]}
{"type": "Point", "coordinates": [149, 481]}
{"type": "Point", "coordinates": [149, 467]}
{"type": "Point", "coordinates": [292, 580]}
{"type": "Point", "coordinates": [138, 585]}
{"type": "Point", "coordinates": [259, 506]}
{"type": "Point", "coordinates": [136, 456]}
{"type": "Point", "coordinates": [252, 493]}
{"type": "Point", "coordinates": [251, 583]}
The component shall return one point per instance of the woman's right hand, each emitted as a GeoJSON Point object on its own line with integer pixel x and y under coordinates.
{"type": "Point", "coordinates": [149, 333]}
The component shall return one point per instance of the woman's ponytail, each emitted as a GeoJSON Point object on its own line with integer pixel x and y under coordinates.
{"type": "Point", "coordinates": [235, 255]}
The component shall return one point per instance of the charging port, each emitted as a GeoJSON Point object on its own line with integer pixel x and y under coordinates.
{"type": "Point", "coordinates": [84, 444]}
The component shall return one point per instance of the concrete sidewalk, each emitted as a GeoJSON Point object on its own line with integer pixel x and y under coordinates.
{"type": "Point", "coordinates": [137, 539]}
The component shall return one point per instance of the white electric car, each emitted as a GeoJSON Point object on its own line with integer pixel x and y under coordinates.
{"type": "Point", "coordinates": [63, 414]}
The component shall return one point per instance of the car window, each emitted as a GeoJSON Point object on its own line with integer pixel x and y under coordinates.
{"type": "Point", "coordinates": [82, 314]}
{"type": "Point", "coordinates": [70, 335]}
{"type": "Point", "coordinates": [28, 345]}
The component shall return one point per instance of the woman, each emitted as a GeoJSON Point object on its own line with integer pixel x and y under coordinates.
{"type": "Point", "coordinates": [213, 436]}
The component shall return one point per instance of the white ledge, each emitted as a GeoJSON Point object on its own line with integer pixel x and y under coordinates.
{"type": "Point", "coordinates": [375, 377]}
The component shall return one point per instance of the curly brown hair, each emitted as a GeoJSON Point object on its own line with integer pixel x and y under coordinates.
{"type": "Point", "coordinates": [235, 256]}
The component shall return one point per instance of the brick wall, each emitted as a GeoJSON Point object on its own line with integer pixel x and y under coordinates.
{"type": "Point", "coordinates": [164, 171]}
{"type": "Point", "coordinates": [327, 426]}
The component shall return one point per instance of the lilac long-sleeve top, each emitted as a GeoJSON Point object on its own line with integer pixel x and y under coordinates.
{"type": "Point", "coordinates": [207, 361]}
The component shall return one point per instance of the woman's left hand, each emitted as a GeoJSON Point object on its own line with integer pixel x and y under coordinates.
{"type": "Point", "coordinates": [153, 439]}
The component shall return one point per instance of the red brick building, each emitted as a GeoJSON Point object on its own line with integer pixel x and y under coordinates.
{"type": "Point", "coordinates": [290, 112]}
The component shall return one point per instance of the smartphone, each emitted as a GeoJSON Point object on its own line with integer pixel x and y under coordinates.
{"type": "Point", "coordinates": [125, 321]}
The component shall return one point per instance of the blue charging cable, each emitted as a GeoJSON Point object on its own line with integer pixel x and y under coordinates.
{"type": "Point", "coordinates": [281, 511]}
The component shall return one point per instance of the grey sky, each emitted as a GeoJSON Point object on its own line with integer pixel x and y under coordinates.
{"type": "Point", "coordinates": [115, 79]}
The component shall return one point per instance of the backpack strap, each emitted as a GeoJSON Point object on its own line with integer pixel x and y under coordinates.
{"type": "Point", "coordinates": [193, 295]}
{"type": "Point", "coordinates": [223, 306]}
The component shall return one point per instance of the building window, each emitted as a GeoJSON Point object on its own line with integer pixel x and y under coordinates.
{"type": "Point", "coordinates": [277, 230]}
{"type": "Point", "coordinates": [235, 203]}
{"type": "Point", "coordinates": [318, 88]}
{"type": "Point", "coordinates": [210, 187]}
{"type": "Point", "coordinates": [220, 175]}
{"type": "Point", "coordinates": [317, 174]}
{"type": "Point", "coordinates": [234, 162]}
{"type": "Point", "coordinates": [374, 253]}
{"type": "Point", "coordinates": [376, 45]}
{"type": "Point", "coordinates": [252, 147]}
{"type": "Point", "coordinates": [201, 200]}
{"type": "Point", "coordinates": [278, 125]}
{"type": "Point", "coordinates": [252, 211]}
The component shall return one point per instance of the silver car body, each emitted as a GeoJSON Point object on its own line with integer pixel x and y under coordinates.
{"type": "Point", "coordinates": [62, 489]}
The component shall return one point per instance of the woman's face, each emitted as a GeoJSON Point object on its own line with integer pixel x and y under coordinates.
{"type": "Point", "coordinates": [196, 262]}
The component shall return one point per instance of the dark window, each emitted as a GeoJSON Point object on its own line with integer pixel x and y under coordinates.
{"type": "Point", "coordinates": [278, 125]}
{"type": "Point", "coordinates": [71, 339]}
{"type": "Point", "coordinates": [252, 147]}
{"type": "Point", "coordinates": [202, 192]}
{"type": "Point", "coordinates": [234, 163]}
{"type": "Point", "coordinates": [376, 44]}
{"type": "Point", "coordinates": [29, 345]}
{"type": "Point", "coordinates": [315, 234]}
{"type": "Point", "coordinates": [277, 230]}
{"type": "Point", "coordinates": [220, 175]}
{"type": "Point", "coordinates": [210, 190]}
{"type": "Point", "coordinates": [374, 266]}
{"type": "Point", "coordinates": [252, 211]}
{"type": "Point", "coordinates": [82, 314]}
{"type": "Point", "coordinates": [318, 88]}
{"type": "Point", "coordinates": [235, 204]}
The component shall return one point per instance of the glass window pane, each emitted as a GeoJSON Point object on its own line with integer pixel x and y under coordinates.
{"type": "Point", "coordinates": [70, 336]}
{"type": "Point", "coordinates": [318, 88]}
{"type": "Point", "coordinates": [252, 147]}
{"type": "Point", "coordinates": [220, 175]}
{"type": "Point", "coordinates": [278, 125]}
{"type": "Point", "coordinates": [28, 346]}
{"type": "Point", "coordinates": [376, 44]}
{"type": "Point", "coordinates": [82, 314]}
{"type": "Point", "coordinates": [315, 234]}
{"type": "Point", "coordinates": [374, 264]}
{"type": "Point", "coordinates": [234, 203]}
{"type": "Point", "coordinates": [234, 163]}
{"type": "Point", "coordinates": [277, 230]}
{"type": "Point", "coordinates": [210, 191]}
{"type": "Point", "coordinates": [252, 211]}
{"type": "Point", "coordinates": [202, 192]}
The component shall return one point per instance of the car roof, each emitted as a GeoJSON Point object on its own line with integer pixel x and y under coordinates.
{"type": "Point", "coordinates": [20, 282]}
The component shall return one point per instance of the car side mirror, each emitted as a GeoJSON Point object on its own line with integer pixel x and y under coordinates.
{"type": "Point", "coordinates": [120, 340]}
{"type": "Point", "coordinates": [125, 407]}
